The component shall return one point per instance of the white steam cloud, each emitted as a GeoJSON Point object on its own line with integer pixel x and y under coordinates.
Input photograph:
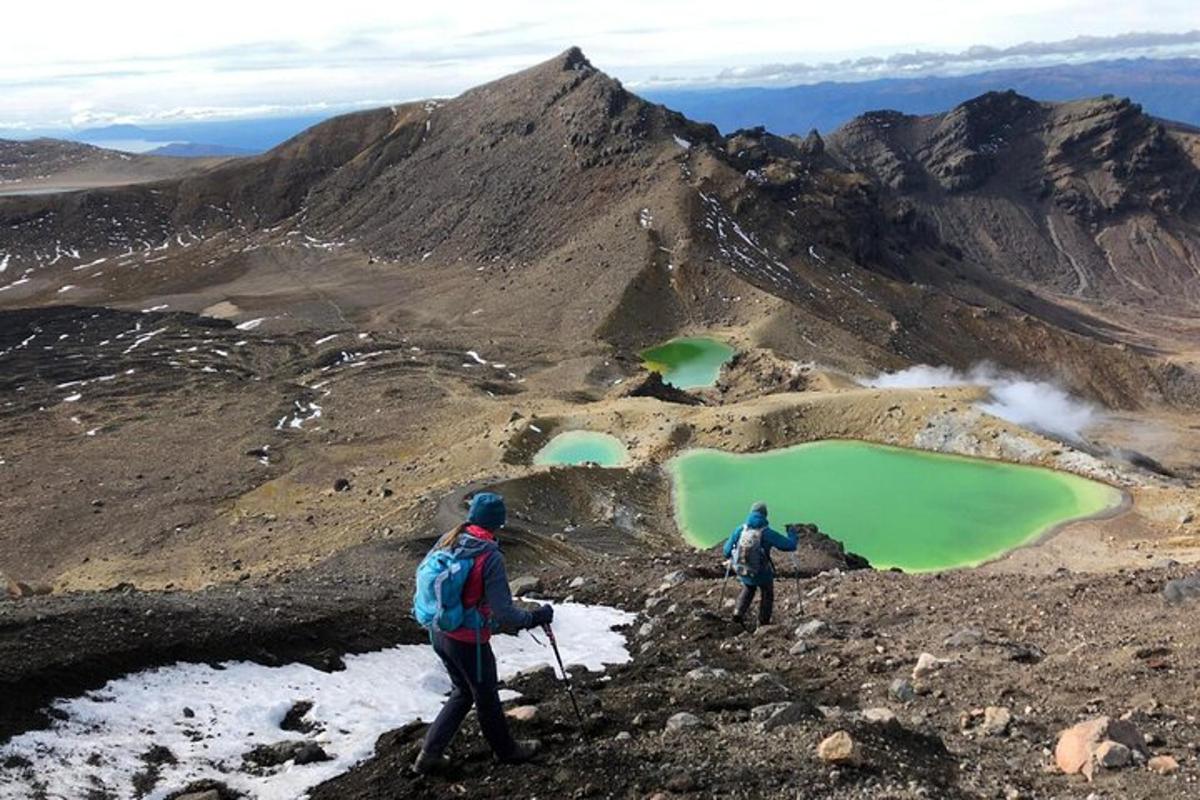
{"type": "Point", "coordinates": [1039, 405]}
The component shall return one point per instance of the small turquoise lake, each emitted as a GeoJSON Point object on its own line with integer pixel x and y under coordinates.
{"type": "Point", "coordinates": [583, 447]}
{"type": "Point", "coordinates": [688, 363]}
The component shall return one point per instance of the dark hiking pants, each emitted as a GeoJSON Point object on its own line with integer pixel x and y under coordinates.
{"type": "Point", "coordinates": [474, 683]}
{"type": "Point", "coordinates": [765, 606]}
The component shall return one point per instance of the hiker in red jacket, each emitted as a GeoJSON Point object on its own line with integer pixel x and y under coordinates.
{"type": "Point", "coordinates": [467, 653]}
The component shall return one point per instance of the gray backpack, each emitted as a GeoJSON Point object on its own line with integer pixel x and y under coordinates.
{"type": "Point", "coordinates": [749, 558]}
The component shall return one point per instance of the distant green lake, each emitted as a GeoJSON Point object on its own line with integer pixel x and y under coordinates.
{"type": "Point", "coordinates": [688, 363]}
{"type": "Point", "coordinates": [910, 509]}
{"type": "Point", "coordinates": [582, 447]}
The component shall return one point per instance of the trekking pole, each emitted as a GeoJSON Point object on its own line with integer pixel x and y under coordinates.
{"type": "Point", "coordinates": [725, 584]}
{"type": "Point", "coordinates": [566, 678]}
{"type": "Point", "coordinates": [796, 567]}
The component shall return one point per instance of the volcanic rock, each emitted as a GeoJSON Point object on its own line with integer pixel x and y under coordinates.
{"type": "Point", "coordinates": [837, 749]}
{"type": "Point", "coordinates": [1079, 747]}
{"type": "Point", "coordinates": [298, 751]}
{"type": "Point", "coordinates": [996, 720]}
{"type": "Point", "coordinates": [1163, 765]}
{"type": "Point", "coordinates": [927, 664]}
{"type": "Point", "coordinates": [682, 721]}
{"type": "Point", "coordinates": [653, 386]}
{"type": "Point", "coordinates": [525, 584]}
{"type": "Point", "coordinates": [522, 713]}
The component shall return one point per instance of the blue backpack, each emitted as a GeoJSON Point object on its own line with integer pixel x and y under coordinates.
{"type": "Point", "coordinates": [437, 603]}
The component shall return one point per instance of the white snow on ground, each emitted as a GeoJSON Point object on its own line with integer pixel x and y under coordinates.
{"type": "Point", "coordinates": [1039, 405]}
{"type": "Point", "coordinates": [4, 262]}
{"type": "Point", "coordinates": [328, 338]}
{"type": "Point", "coordinates": [475, 357]}
{"type": "Point", "coordinates": [304, 412]}
{"type": "Point", "coordinates": [96, 747]}
{"type": "Point", "coordinates": [66, 288]}
{"type": "Point", "coordinates": [95, 263]}
{"type": "Point", "coordinates": [251, 324]}
{"type": "Point", "coordinates": [682, 142]}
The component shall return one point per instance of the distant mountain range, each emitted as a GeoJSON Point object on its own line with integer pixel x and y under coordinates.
{"type": "Point", "coordinates": [193, 139]}
{"type": "Point", "coordinates": [199, 150]}
{"type": "Point", "coordinates": [1166, 88]}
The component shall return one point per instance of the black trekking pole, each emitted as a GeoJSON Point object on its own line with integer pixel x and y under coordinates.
{"type": "Point", "coordinates": [566, 678]}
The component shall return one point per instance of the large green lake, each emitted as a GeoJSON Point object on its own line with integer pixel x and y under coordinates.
{"type": "Point", "coordinates": [689, 363]}
{"type": "Point", "coordinates": [583, 447]}
{"type": "Point", "coordinates": [900, 508]}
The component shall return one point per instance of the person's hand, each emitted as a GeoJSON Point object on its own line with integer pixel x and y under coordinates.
{"type": "Point", "coordinates": [543, 616]}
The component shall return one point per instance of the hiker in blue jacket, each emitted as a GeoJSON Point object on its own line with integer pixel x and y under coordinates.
{"type": "Point", "coordinates": [467, 653]}
{"type": "Point", "coordinates": [749, 550]}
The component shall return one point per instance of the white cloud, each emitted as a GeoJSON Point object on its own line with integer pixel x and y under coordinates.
{"type": "Point", "coordinates": [130, 58]}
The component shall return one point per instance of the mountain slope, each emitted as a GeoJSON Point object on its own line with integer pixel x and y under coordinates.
{"type": "Point", "coordinates": [555, 204]}
{"type": "Point", "coordinates": [48, 164]}
{"type": "Point", "coordinates": [1092, 198]}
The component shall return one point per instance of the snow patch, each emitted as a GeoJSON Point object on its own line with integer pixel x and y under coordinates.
{"type": "Point", "coordinates": [96, 746]}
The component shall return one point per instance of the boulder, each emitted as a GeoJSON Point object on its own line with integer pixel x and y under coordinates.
{"type": "Point", "coordinates": [707, 674]}
{"type": "Point", "coordinates": [1078, 748]}
{"type": "Point", "coordinates": [522, 713]}
{"type": "Point", "coordinates": [810, 628]}
{"type": "Point", "coordinates": [801, 647]}
{"type": "Point", "coordinates": [672, 579]}
{"type": "Point", "coordinates": [967, 637]}
{"type": "Point", "coordinates": [682, 721]}
{"type": "Point", "coordinates": [764, 712]}
{"type": "Point", "coordinates": [341, 485]}
{"type": "Point", "coordinates": [790, 714]}
{"type": "Point", "coordinates": [577, 583]}
{"type": "Point", "coordinates": [297, 751]}
{"type": "Point", "coordinates": [1181, 589]}
{"type": "Point", "coordinates": [927, 664]}
{"type": "Point", "coordinates": [1113, 755]}
{"type": "Point", "coordinates": [1163, 765]}
{"type": "Point", "coordinates": [902, 690]}
{"type": "Point", "coordinates": [837, 749]}
{"type": "Point", "coordinates": [996, 720]}
{"type": "Point", "coordinates": [880, 715]}
{"type": "Point", "coordinates": [295, 719]}
{"type": "Point", "coordinates": [525, 584]}
{"type": "Point", "coordinates": [208, 794]}
{"type": "Point", "coordinates": [17, 590]}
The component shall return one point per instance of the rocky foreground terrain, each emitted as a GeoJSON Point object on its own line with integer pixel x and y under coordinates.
{"type": "Point", "coordinates": [871, 684]}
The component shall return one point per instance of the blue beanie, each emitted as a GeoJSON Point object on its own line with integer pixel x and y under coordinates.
{"type": "Point", "coordinates": [487, 511]}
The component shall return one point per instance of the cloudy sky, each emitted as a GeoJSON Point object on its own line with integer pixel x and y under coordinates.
{"type": "Point", "coordinates": [84, 62]}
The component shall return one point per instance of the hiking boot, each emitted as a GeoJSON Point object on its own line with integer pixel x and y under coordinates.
{"type": "Point", "coordinates": [428, 763]}
{"type": "Point", "coordinates": [524, 750]}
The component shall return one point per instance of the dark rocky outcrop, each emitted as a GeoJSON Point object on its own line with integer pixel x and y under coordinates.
{"type": "Point", "coordinates": [653, 386]}
{"type": "Point", "coordinates": [817, 552]}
